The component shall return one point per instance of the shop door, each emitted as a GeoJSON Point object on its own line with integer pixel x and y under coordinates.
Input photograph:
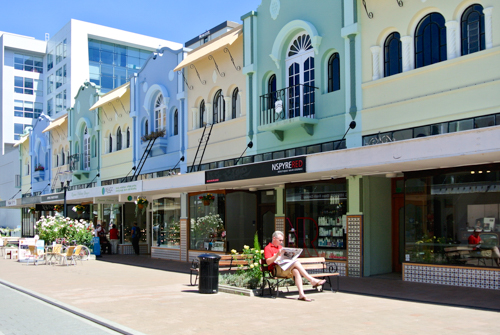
{"type": "Point", "coordinates": [398, 204]}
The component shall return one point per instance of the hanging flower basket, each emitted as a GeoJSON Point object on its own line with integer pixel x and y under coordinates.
{"type": "Point", "coordinates": [140, 205]}
{"type": "Point", "coordinates": [207, 199]}
{"type": "Point", "coordinates": [79, 209]}
{"type": "Point", "coordinates": [58, 208]}
{"type": "Point", "coordinates": [32, 210]}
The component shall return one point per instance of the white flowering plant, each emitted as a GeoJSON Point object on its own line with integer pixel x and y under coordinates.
{"type": "Point", "coordinates": [207, 225]}
{"type": "Point", "coordinates": [50, 228]}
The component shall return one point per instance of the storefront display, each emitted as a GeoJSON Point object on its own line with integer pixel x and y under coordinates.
{"type": "Point", "coordinates": [166, 223]}
{"type": "Point", "coordinates": [207, 222]}
{"type": "Point", "coordinates": [445, 209]}
{"type": "Point", "coordinates": [316, 219]}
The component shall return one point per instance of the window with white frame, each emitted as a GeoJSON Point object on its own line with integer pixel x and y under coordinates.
{"type": "Point", "coordinates": [160, 113]}
{"type": "Point", "coordinates": [28, 63]}
{"type": "Point", "coordinates": [203, 121]}
{"type": "Point", "coordinates": [300, 67]}
{"type": "Point", "coordinates": [59, 53]}
{"type": "Point", "coordinates": [28, 109]}
{"type": "Point", "coordinates": [50, 107]}
{"type": "Point", "coordinates": [38, 87]}
{"type": "Point", "coordinates": [110, 143]}
{"type": "Point", "coordinates": [23, 85]}
{"type": "Point", "coordinates": [64, 74]}
{"type": "Point", "coordinates": [50, 84]}
{"type": "Point", "coordinates": [50, 61]}
{"type": "Point", "coordinates": [393, 59]}
{"type": "Point", "coordinates": [59, 77]}
{"type": "Point", "coordinates": [61, 102]}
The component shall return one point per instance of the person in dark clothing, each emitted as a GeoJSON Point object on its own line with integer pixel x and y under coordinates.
{"type": "Point", "coordinates": [135, 238]}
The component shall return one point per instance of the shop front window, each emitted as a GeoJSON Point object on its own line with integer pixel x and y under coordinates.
{"type": "Point", "coordinates": [112, 215]}
{"type": "Point", "coordinates": [207, 222]}
{"type": "Point", "coordinates": [166, 223]}
{"type": "Point", "coordinates": [316, 219]}
{"type": "Point", "coordinates": [452, 216]}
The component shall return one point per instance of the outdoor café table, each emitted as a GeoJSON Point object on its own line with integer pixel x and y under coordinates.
{"type": "Point", "coordinates": [50, 254]}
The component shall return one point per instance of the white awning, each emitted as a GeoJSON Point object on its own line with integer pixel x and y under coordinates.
{"type": "Point", "coordinates": [206, 49]}
{"type": "Point", "coordinates": [117, 93]}
{"type": "Point", "coordinates": [56, 123]}
{"type": "Point", "coordinates": [21, 141]}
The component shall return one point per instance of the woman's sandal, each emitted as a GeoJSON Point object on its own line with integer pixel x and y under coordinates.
{"type": "Point", "coordinates": [320, 283]}
{"type": "Point", "coordinates": [305, 299]}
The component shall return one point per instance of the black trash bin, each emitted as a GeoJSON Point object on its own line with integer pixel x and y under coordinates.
{"type": "Point", "coordinates": [208, 281]}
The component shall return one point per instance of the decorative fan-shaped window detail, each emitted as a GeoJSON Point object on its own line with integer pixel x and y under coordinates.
{"type": "Point", "coordinates": [158, 100]}
{"type": "Point", "coordinates": [301, 43]}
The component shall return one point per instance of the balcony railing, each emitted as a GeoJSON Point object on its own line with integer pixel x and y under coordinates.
{"type": "Point", "coordinates": [287, 103]}
{"type": "Point", "coordinates": [79, 162]}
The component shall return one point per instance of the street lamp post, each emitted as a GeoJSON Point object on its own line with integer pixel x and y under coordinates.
{"type": "Point", "coordinates": [65, 178]}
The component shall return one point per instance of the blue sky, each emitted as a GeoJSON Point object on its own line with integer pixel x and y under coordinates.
{"type": "Point", "coordinates": [177, 21]}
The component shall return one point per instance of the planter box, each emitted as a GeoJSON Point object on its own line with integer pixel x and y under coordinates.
{"type": "Point", "coordinates": [39, 175]}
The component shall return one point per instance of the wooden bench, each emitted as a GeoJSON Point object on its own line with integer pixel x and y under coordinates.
{"type": "Point", "coordinates": [317, 267]}
{"type": "Point", "coordinates": [226, 263]}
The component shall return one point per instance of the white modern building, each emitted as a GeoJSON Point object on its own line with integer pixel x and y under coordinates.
{"type": "Point", "coordinates": [44, 77]}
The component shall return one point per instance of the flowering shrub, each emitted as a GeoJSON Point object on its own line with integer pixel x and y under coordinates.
{"type": "Point", "coordinates": [51, 228]}
{"type": "Point", "coordinates": [205, 226]}
{"type": "Point", "coordinates": [39, 167]}
{"type": "Point", "coordinates": [253, 271]}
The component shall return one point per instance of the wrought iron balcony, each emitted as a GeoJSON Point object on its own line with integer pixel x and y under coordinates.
{"type": "Point", "coordinates": [288, 108]}
{"type": "Point", "coordinates": [79, 164]}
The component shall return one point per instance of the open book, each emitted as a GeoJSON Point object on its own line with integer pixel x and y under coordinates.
{"type": "Point", "coordinates": [288, 257]}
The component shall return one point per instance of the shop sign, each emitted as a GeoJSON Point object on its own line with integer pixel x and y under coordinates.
{"type": "Point", "coordinates": [258, 170]}
{"type": "Point", "coordinates": [30, 200]}
{"type": "Point", "coordinates": [44, 207]}
{"type": "Point", "coordinates": [52, 197]}
{"type": "Point", "coordinates": [12, 202]}
{"type": "Point", "coordinates": [106, 201]}
{"type": "Point", "coordinates": [133, 187]}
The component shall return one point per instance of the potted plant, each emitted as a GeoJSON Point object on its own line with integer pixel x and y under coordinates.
{"type": "Point", "coordinates": [32, 210]}
{"type": "Point", "coordinates": [207, 199]}
{"type": "Point", "coordinates": [39, 167]}
{"type": "Point", "coordinates": [141, 204]}
{"type": "Point", "coordinates": [78, 209]}
{"type": "Point", "coordinates": [58, 208]}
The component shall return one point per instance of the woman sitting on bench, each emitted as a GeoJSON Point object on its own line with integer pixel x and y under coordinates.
{"type": "Point", "coordinates": [273, 250]}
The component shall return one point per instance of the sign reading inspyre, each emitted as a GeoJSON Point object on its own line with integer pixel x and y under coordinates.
{"type": "Point", "coordinates": [258, 170]}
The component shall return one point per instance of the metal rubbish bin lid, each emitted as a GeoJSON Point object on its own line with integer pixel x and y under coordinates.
{"type": "Point", "coordinates": [209, 257]}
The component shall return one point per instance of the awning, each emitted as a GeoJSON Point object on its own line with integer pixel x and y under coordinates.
{"type": "Point", "coordinates": [117, 93]}
{"type": "Point", "coordinates": [206, 49]}
{"type": "Point", "coordinates": [21, 141]}
{"type": "Point", "coordinates": [55, 123]}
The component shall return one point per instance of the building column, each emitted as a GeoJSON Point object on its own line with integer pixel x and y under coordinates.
{"type": "Point", "coordinates": [407, 49]}
{"type": "Point", "coordinates": [452, 40]}
{"type": "Point", "coordinates": [196, 119]}
{"type": "Point", "coordinates": [209, 113]}
{"type": "Point", "coordinates": [227, 109]}
{"type": "Point", "coordinates": [184, 226]}
{"type": "Point", "coordinates": [376, 62]}
{"type": "Point", "coordinates": [488, 33]}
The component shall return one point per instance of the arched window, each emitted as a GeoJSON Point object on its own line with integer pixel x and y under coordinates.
{"type": "Point", "coordinates": [202, 113]}
{"type": "Point", "coordinates": [300, 65]}
{"type": "Point", "coordinates": [128, 137]}
{"type": "Point", "coordinates": [473, 38]}
{"type": "Point", "coordinates": [146, 127]}
{"type": "Point", "coordinates": [219, 107]}
{"type": "Point", "coordinates": [160, 113]}
{"type": "Point", "coordinates": [334, 72]}
{"type": "Point", "coordinates": [110, 143]}
{"type": "Point", "coordinates": [271, 90]}
{"type": "Point", "coordinates": [86, 149]}
{"type": "Point", "coordinates": [393, 61]}
{"type": "Point", "coordinates": [430, 40]}
{"type": "Point", "coordinates": [119, 139]}
{"type": "Point", "coordinates": [57, 160]}
{"type": "Point", "coordinates": [62, 157]}
{"type": "Point", "coordinates": [176, 122]}
{"type": "Point", "coordinates": [235, 104]}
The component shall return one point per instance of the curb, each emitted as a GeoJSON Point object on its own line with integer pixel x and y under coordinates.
{"type": "Point", "coordinates": [76, 311]}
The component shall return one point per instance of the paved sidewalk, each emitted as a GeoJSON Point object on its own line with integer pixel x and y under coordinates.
{"type": "Point", "coordinates": [156, 301]}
